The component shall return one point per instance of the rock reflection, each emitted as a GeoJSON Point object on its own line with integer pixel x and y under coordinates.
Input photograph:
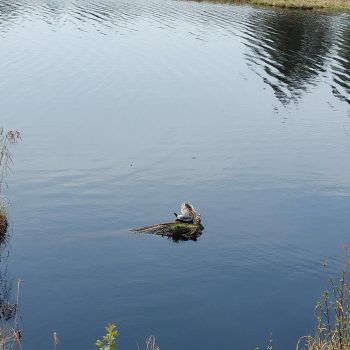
{"type": "Point", "coordinates": [181, 238]}
{"type": "Point", "coordinates": [290, 47]}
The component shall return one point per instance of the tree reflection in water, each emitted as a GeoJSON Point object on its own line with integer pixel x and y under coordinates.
{"type": "Point", "coordinates": [341, 65]}
{"type": "Point", "coordinates": [288, 49]}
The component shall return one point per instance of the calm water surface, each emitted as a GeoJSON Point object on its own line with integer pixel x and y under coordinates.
{"type": "Point", "coordinates": [129, 107]}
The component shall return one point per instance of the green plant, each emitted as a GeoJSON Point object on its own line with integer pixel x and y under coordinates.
{"type": "Point", "coordinates": [108, 341]}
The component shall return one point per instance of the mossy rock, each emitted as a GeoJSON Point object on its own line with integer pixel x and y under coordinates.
{"type": "Point", "coordinates": [178, 231]}
{"type": "Point", "coordinates": [179, 228]}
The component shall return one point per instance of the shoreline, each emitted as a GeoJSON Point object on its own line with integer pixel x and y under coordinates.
{"type": "Point", "coordinates": [332, 5]}
{"type": "Point", "coordinates": [315, 5]}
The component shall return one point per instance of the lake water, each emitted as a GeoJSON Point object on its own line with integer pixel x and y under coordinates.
{"type": "Point", "coordinates": [128, 108]}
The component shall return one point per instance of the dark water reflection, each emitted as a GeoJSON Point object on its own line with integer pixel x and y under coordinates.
{"type": "Point", "coordinates": [341, 65]}
{"type": "Point", "coordinates": [292, 48]}
{"type": "Point", "coordinates": [127, 109]}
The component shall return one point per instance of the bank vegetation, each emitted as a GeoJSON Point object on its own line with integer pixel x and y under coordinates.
{"type": "Point", "coordinates": [338, 5]}
{"type": "Point", "coordinates": [326, 5]}
{"type": "Point", "coordinates": [332, 320]}
{"type": "Point", "coordinates": [7, 140]}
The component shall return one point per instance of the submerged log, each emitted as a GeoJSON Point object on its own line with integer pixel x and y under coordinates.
{"type": "Point", "coordinates": [177, 230]}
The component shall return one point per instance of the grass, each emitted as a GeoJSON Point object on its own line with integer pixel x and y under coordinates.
{"type": "Point", "coordinates": [340, 5]}
{"type": "Point", "coordinates": [332, 5]}
{"type": "Point", "coordinates": [10, 334]}
{"type": "Point", "coordinates": [151, 343]}
{"type": "Point", "coordinates": [7, 139]}
{"type": "Point", "coordinates": [332, 329]}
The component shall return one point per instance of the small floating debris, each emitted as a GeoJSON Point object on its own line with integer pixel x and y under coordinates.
{"type": "Point", "coordinates": [187, 225]}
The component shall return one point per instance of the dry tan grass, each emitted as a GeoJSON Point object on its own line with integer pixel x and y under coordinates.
{"type": "Point", "coordinates": [151, 343]}
{"type": "Point", "coordinates": [343, 5]}
{"type": "Point", "coordinates": [10, 334]}
{"type": "Point", "coordinates": [332, 331]}
{"type": "Point", "coordinates": [6, 140]}
{"type": "Point", "coordinates": [334, 5]}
